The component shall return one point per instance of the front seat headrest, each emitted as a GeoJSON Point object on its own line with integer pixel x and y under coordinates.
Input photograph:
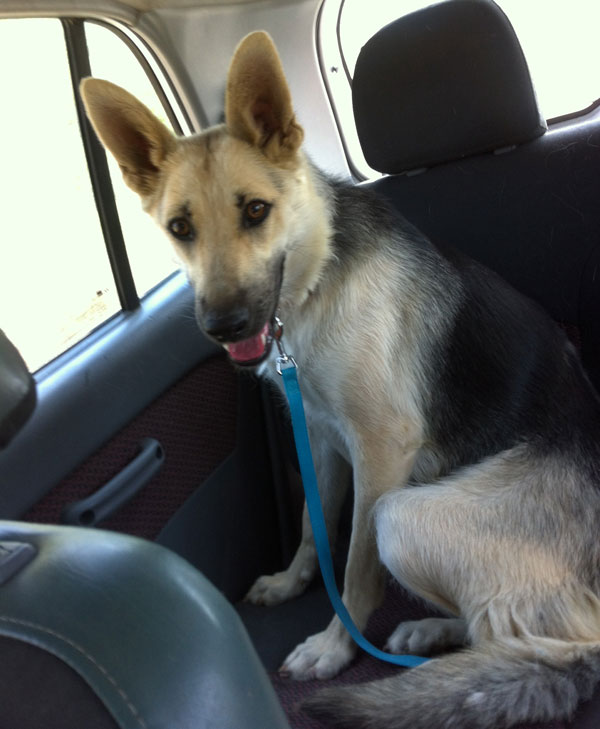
{"type": "Point", "coordinates": [17, 391]}
{"type": "Point", "coordinates": [442, 83]}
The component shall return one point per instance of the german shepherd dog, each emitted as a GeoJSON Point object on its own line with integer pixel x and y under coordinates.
{"type": "Point", "coordinates": [461, 411]}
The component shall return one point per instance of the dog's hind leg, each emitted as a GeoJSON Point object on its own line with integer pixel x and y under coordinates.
{"type": "Point", "coordinates": [501, 544]}
{"type": "Point", "coordinates": [512, 546]}
{"type": "Point", "coordinates": [334, 477]}
{"type": "Point", "coordinates": [428, 636]}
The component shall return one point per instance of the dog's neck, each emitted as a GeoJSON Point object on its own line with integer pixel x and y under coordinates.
{"type": "Point", "coordinates": [308, 258]}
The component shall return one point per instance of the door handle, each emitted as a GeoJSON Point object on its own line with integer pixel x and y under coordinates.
{"type": "Point", "coordinates": [119, 490]}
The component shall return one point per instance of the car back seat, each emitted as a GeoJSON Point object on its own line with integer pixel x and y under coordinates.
{"type": "Point", "coordinates": [445, 108]}
{"type": "Point", "coordinates": [446, 92]}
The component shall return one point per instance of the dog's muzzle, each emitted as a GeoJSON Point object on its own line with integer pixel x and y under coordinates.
{"type": "Point", "coordinates": [253, 350]}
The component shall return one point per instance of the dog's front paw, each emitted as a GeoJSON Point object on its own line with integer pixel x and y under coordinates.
{"type": "Point", "coordinates": [274, 589]}
{"type": "Point", "coordinates": [424, 637]}
{"type": "Point", "coordinates": [321, 656]}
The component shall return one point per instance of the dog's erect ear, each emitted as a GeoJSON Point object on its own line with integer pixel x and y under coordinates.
{"type": "Point", "coordinates": [258, 105]}
{"type": "Point", "coordinates": [138, 140]}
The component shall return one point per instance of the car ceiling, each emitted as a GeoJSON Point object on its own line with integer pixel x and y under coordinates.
{"type": "Point", "coordinates": [37, 7]}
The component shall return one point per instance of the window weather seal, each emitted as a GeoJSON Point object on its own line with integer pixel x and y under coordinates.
{"type": "Point", "coordinates": [142, 59]}
{"type": "Point", "coordinates": [79, 64]}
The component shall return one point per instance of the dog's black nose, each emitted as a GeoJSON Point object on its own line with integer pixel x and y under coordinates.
{"type": "Point", "coordinates": [226, 326]}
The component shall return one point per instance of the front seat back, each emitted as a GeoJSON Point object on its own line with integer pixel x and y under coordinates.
{"type": "Point", "coordinates": [105, 631]}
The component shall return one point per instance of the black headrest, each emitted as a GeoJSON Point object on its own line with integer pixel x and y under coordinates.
{"type": "Point", "coordinates": [442, 83]}
{"type": "Point", "coordinates": [17, 391]}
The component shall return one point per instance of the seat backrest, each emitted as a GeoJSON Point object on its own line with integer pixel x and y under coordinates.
{"type": "Point", "coordinates": [155, 642]}
{"type": "Point", "coordinates": [17, 391]}
{"type": "Point", "coordinates": [458, 102]}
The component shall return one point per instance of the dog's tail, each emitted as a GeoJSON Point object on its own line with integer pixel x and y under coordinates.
{"type": "Point", "coordinates": [491, 687]}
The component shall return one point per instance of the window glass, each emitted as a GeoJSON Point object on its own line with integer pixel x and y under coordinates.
{"type": "Point", "coordinates": [151, 256]}
{"type": "Point", "coordinates": [559, 41]}
{"type": "Point", "coordinates": [55, 280]}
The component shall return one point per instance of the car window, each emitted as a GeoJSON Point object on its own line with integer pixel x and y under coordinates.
{"type": "Point", "coordinates": [558, 39]}
{"type": "Point", "coordinates": [150, 255]}
{"type": "Point", "coordinates": [56, 281]}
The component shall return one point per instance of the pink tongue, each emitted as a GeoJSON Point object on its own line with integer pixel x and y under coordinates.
{"type": "Point", "coordinates": [249, 349]}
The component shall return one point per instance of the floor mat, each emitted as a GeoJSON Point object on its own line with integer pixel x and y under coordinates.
{"type": "Point", "coordinates": [398, 606]}
{"type": "Point", "coordinates": [275, 632]}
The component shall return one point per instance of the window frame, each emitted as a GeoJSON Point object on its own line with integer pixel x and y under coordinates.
{"type": "Point", "coordinates": [185, 116]}
{"type": "Point", "coordinates": [338, 85]}
{"type": "Point", "coordinates": [106, 206]}
{"type": "Point", "coordinates": [102, 187]}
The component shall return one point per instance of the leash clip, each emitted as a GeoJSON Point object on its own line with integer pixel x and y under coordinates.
{"type": "Point", "coordinates": [284, 360]}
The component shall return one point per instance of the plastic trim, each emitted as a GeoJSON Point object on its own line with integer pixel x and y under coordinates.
{"type": "Point", "coordinates": [79, 66]}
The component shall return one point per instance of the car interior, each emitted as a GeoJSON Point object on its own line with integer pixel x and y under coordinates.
{"type": "Point", "coordinates": [145, 483]}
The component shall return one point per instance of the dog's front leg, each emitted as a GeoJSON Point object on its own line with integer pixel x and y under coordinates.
{"type": "Point", "coordinates": [333, 476]}
{"type": "Point", "coordinates": [325, 654]}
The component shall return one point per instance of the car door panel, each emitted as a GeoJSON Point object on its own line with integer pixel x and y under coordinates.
{"type": "Point", "coordinates": [194, 424]}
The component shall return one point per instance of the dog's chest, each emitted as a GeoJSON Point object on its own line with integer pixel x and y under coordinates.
{"type": "Point", "coordinates": [324, 420]}
{"type": "Point", "coordinates": [318, 397]}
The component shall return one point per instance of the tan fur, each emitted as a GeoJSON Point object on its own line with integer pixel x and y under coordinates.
{"type": "Point", "coordinates": [258, 105]}
{"type": "Point", "coordinates": [139, 142]}
{"type": "Point", "coordinates": [471, 544]}
{"type": "Point", "coordinates": [458, 544]}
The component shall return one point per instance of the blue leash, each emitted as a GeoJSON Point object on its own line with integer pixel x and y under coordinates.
{"type": "Point", "coordinates": [287, 368]}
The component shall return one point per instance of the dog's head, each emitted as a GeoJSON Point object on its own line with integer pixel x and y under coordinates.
{"type": "Point", "coordinates": [235, 199]}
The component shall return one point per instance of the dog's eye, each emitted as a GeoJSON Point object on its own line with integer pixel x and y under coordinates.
{"type": "Point", "coordinates": [256, 212]}
{"type": "Point", "coordinates": [181, 228]}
